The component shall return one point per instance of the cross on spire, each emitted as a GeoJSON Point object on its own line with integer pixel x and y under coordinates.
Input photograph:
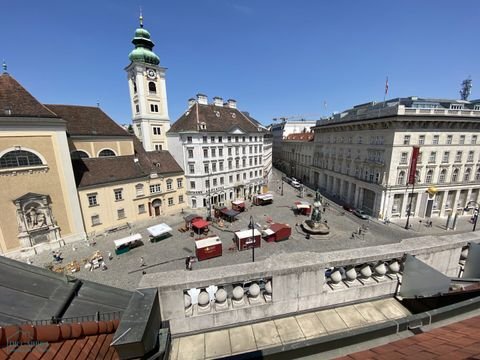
{"type": "Point", "coordinates": [4, 66]}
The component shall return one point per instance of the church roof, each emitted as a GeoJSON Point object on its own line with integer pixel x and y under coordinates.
{"type": "Point", "coordinates": [87, 120]}
{"type": "Point", "coordinates": [16, 101]}
{"type": "Point", "coordinates": [104, 170]}
{"type": "Point", "coordinates": [215, 118]}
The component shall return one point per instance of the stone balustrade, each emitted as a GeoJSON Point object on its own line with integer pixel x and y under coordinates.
{"type": "Point", "coordinates": [290, 283]}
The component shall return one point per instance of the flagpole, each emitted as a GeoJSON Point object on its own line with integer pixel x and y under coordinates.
{"type": "Point", "coordinates": [386, 91]}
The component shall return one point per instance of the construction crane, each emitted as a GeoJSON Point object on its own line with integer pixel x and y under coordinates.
{"type": "Point", "coordinates": [301, 117]}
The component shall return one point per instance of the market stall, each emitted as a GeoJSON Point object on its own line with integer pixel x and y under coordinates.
{"type": "Point", "coordinates": [200, 226]}
{"type": "Point", "coordinates": [190, 218]}
{"type": "Point", "coordinates": [208, 248]}
{"type": "Point", "coordinates": [159, 232]}
{"type": "Point", "coordinates": [125, 244]}
{"type": "Point", "coordinates": [245, 239]}
{"type": "Point", "coordinates": [229, 214]}
{"type": "Point", "coordinates": [263, 199]}
{"type": "Point", "coordinates": [277, 232]}
{"type": "Point", "coordinates": [303, 207]}
{"type": "Point", "coordinates": [238, 205]}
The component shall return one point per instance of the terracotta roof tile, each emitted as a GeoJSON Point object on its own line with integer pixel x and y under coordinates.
{"type": "Point", "coordinates": [87, 120]}
{"type": "Point", "coordinates": [300, 137]}
{"type": "Point", "coordinates": [18, 101]}
{"type": "Point", "coordinates": [227, 119]}
{"type": "Point", "coordinates": [460, 340]}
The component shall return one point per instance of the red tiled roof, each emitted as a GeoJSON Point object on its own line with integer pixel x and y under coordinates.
{"type": "Point", "coordinates": [459, 340]}
{"type": "Point", "coordinates": [226, 120]}
{"type": "Point", "coordinates": [87, 340]}
{"type": "Point", "coordinates": [17, 100]}
{"type": "Point", "coordinates": [87, 120]}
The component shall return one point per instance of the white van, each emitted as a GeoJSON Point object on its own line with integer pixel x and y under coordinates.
{"type": "Point", "coordinates": [295, 184]}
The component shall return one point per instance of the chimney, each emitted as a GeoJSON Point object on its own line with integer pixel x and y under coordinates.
{"type": "Point", "coordinates": [232, 104]}
{"type": "Point", "coordinates": [202, 99]}
{"type": "Point", "coordinates": [217, 101]}
{"type": "Point", "coordinates": [191, 102]}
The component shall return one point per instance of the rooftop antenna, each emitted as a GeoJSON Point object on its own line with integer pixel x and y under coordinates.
{"type": "Point", "coordinates": [141, 18]}
{"type": "Point", "coordinates": [466, 89]}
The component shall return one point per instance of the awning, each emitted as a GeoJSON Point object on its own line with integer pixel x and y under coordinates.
{"type": "Point", "coordinates": [159, 230]}
{"type": "Point", "coordinates": [240, 203]}
{"type": "Point", "coordinates": [265, 196]}
{"type": "Point", "coordinates": [268, 232]}
{"type": "Point", "coordinates": [127, 240]}
{"type": "Point", "coordinates": [203, 243]}
{"type": "Point", "coordinates": [190, 217]}
{"type": "Point", "coordinates": [200, 223]}
{"type": "Point", "coordinates": [230, 212]}
{"type": "Point", "coordinates": [277, 227]}
{"type": "Point", "coordinates": [247, 233]}
{"type": "Point", "coordinates": [302, 205]}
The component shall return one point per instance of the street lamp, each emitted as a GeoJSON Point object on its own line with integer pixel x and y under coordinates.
{"type": "Point", "coordinates": [252, 226]}
{"type": "Point", "coordinates": [475, 213]}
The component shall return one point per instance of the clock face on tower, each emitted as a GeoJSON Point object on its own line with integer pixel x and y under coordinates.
{"type": "Point", "coordinates": [151, 74]}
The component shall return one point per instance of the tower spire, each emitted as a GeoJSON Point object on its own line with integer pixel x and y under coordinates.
{"type": "Point", "coordinates": [141, 17]}
{"type": "Point", "coordinates": [4, 66]}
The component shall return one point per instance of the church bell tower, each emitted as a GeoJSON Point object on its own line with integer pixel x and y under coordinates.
{"type": "Point", "coordinates": [148, 92]}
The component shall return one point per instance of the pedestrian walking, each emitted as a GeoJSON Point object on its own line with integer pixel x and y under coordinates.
{"type": "Point", "coordinates": [142, 261]}
{"type": "Point", "coordinates": [103, 266]}
{"type": "Point", "coordinates": [110, 257]}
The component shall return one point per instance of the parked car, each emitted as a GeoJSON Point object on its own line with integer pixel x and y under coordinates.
{"type": "Point", "coordinates": [348, 208]}
{"type": "Point", "coordinates": [361, 214]}
{"type": "Point", "coordinates": [295, 184]}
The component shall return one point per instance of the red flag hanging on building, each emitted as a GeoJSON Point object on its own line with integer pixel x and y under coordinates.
{"type": "Point", "coordinates": [413, 166]}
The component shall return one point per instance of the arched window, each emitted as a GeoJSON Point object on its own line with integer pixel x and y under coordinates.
{"type": "Point", "coordinates": [466, 175]}
{"type": "Point", "coordinates": [428, 178]}
{"type": "Point", "coordinates": [401, 178]}
{"type": "Point", "coordinates": [19, 158]}
{"type": "Point", "coordinates": [477, 175]}
{"type": "Point", "coordinates": [455, 175]}
{"type": "Point", "coordinates": [152, 88]}
{"type": "Point", "coordinates": [79, 154]}
{"type": "Point", "coordinates": [443, 175]}
{"type": "Point", "coordinates": [106, 152]}
{"type": "Point", "coordinates": [417, 177]}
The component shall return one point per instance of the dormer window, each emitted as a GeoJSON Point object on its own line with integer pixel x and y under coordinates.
{"type": "Point", "coordinates": [203, 126]}
{"type": "Point", "coordinates": [456, 106]}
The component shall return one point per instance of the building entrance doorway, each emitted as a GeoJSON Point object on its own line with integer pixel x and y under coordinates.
{"type": "Point", "coordinates": [157, 207]}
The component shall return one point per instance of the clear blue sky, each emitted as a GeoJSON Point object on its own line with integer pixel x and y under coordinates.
{"type": "Point", "coordinates": [277, 58]}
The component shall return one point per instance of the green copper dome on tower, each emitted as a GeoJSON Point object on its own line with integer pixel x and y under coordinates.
{"type": "Point", "coordinates": [143, 47]}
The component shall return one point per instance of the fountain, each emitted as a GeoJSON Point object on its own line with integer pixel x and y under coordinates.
{"type": "Point", "coordinates": [315, 225]}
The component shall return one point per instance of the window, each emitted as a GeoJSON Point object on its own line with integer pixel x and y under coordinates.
{"type": "Point", "coordinates": [244, 150]}
{"type": "Point", "coordinates": [154, 189]}
{"type": "Point", "coordinates": [205, 139]}
{"type": "Point", "coordinates": [458, 156]}
{"type": "Point", "coordinates": [401, 178]}
{"type": "Point", "coordinates": [236, 138]}
{"type": "Point", "coordinates": [118, 194]}
{"type": "Point", "coordinates": [421, 140]}
{"type": "Point", "coordinates": [220, 152]}
{"type": "Point", "coordinates": [462, 139]}
{"type": "Point", "coordinates": [230, 165]}
{"type": "Point", "coordinates": [220, 139]}
{"type": "Point", "coordinates": [106, 152]}
{"type": "Point", "coordinates": [455, 175]}
{"type": "Point", "coordinates": [238, 177]}
{"type": "Point", "coordinates": [134, 87]}
{"type": "Point", "coordinates": [256, 138]}
{"type": "Point", "coordinates": [244, 162]}
{"type": "Point", "coordinates": [121, 213]}
{"type": "Point", "coordinates": [170, 201]}
{"type": "Point", "coordinates": [446, 155]}
{"type": "Point", "coordinates": [139, 190]}
{"type": "Point", "coordinates": [406, 140]}
{"type": "Point", "coordinates": [221, 180]}
{"type": "Point", "coordinates": [169, 185]}
{"type": "Point", "coordinates": [152, 88]}
{"type": "Point", "coordinates": [215, 183]}
{"type": "Point", "coordinates": [153, 108]}
{"type": "Point", "coordinates": [194, 203]}
{"type": "Point", "coordinates": [474, 139]}
{"type": "Point", "coordinates": [428, 178]}
{"type": "Point", "coordinates": [212, 139]}
{"type": "Point", "coordinates": [207, 183]}
{"type": "Point", "coordinates": [449, 139]}
{"type": "Point", "coordinates": [229, 138]}
{"type": "Point", "coordinates": [237, 163]}
{"type": "Point", "coordinates": [180, 199]}
{"type": "Point", "coordinates": [250, 149]}
{"type": "Point", "coordinates": [477, 175]}
{"type": "Point", "coordinates": [359, 140]}
{"type": "Point", "coordinates": [243, 138]}
{"type": "Point", "coordinates": [206, 168]}
{"type": "Point", "coordinates": [179, 183]}
{"type": "Point", "coordinates": [250, 138]}
{"type": "Point", "coordinates": [79, 154]}
{"type": "Point", "coordinates": [403, 157]}
{"type": "Point", "coordinates": [192, 184]}
{"type": "Point", "coordinates": [157, 130]}
{"type": "Point", "coordinates": [141, 209]}
{"type": "Point", "coordinates": [137, 108]}
{"type": "Point", "coordinates": [237, 150]}
{"type": "Point", "coordinates": [470, 156]}
{"type": "Point", "coordinates": [92, 200]}
{"type": "Point", "coordinates": [441, 178]}
{"type": "Point", "coordinates": [435, 139]}
{"type": "Point", "coordinates": [158, 147]}
{"type": "Point", "coordinates": [190, 153]}
{"type": "Point", "coordinates": [189, 139]}
{"type": "Point", "coordinates": [191, 168]}
{"type": "Point", "coordinates": [456, 106]}
{"type": "Point", "coordinates": [205, 153]}
{"type": "Point", "coordinates": [250, 161]}
{"type": "Point", "coordinates": [251, 174]}
{"type": "Point", "coordinates": [230, 178]}
{"type": "Point", "coordinates": [419, 158]}
{"type": "Point", "coordinates": [214, 167]}
{"type": "Point", "coordinates": [432, 157]}
{"type": "Point", "coordinates": [244, 176]}
{"type": "Point", "coordinates": [212, 150]}
{"type": "Point", "coordinates": [95, 220]}
{"type": "Point", "coordinates": [466, 175]}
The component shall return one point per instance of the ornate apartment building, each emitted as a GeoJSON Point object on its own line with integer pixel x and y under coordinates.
{"type": "Point", "coordinates": [362, 156]}
{"type": "Point", "coordinates": [297, 156]}
{"type": "Point", "coordinates": [221, 151]}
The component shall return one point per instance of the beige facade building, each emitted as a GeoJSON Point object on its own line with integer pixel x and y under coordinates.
{"type": "Point", "coordinates": [297, 156]}
{"type": "Point", "coordinates": [362, 156]}
{"type": "Point", "coordinates": [48, 152]}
